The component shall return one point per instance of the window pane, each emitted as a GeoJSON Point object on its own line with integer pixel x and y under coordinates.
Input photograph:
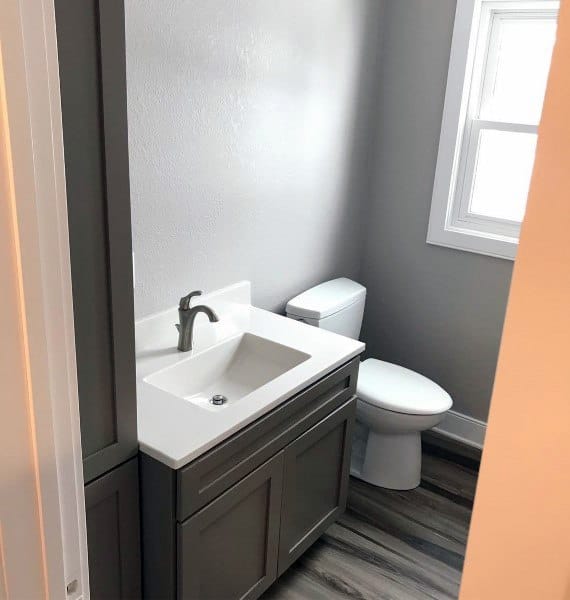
{"type": "Point", "coordinates": [517, 68]}
{"type": "Point", "coordinates": [502, 174]}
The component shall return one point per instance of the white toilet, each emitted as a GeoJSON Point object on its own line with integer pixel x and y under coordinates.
{"type": "Point", "coordinates": [394, 403]}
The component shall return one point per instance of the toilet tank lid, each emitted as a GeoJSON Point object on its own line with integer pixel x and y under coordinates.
{"type": "Point", "coordinates": [326, 299]}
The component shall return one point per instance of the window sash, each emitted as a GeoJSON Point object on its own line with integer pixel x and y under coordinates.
{"type": "Point", "coordinates": [451, 224]}
{"type": "Point", "coordinates": [493, 16]}
{"type": "Point", "coordinates": [483, 71]}
{"type": "Point", "coordinates": [461, 216]}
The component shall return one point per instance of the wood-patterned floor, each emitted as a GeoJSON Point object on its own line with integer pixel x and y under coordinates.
{"type": "Point", "coordinates": [391, 545]}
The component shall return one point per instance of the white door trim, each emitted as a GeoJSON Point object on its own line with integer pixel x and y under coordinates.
{"type": "Point", "coordinates": [29, 67]}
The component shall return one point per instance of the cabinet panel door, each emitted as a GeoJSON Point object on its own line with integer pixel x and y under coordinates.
{"type": "Point", "coordinates": [229, 548]}
{"type": "Point", "coordinates": [315, 483]}
{"type": "Point", "coordinates": [113, 534]}
{"type": "Point", "coordinates": [91, 49]}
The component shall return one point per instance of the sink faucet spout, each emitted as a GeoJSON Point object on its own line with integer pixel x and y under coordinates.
{"type": "Point", "coordinates": [187, 316]}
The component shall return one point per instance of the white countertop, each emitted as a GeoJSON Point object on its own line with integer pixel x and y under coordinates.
{"type": "Point", "coordinates": [175, 431]}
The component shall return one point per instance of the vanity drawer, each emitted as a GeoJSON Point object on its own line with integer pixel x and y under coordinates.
{"type": "Point", "coordinates": [210, 475]}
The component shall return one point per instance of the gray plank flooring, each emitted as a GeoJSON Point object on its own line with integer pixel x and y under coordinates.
{"type": "Point", "coordinates": [391, 545]}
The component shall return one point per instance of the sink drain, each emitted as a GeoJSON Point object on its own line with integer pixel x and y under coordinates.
{"type": "Point", "coordinates": [218, 400]}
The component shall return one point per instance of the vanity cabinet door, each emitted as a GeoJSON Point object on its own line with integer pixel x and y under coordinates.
{"type": "Point", "coordinates": [229, 548]}
{"type": "Point", "coordinates": [91, 50]}
{"type": "Point", "coordinates": [315, 483]}
{"type": "Point", "coordinates": [113, 531]}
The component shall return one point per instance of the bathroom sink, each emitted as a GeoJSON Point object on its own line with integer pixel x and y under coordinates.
{"type": "Point", "coordinates": [229, 371]}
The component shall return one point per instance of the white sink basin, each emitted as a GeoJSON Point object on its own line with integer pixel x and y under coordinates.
{"type": "Point", "coordinates": [232, 369]}
{"type": "Point", "coordinates": [256, 358]}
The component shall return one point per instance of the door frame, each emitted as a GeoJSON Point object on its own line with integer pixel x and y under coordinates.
{"type": "Point", "coordinates": [30, 99]}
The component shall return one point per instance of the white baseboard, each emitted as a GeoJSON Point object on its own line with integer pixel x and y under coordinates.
{"type": "Point", "coordinates": [463, 428]}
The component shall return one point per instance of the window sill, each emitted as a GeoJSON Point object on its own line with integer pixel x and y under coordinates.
{"type": "Point", "coordinates": [470, 240]}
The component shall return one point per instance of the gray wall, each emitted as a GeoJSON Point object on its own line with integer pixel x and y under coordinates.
{"type": "Point", "coordinates": [436, 310]}
{"type": "Point", "coordinates": [247, 124]}
{"type": "Point", "coordinates": [251, 124]}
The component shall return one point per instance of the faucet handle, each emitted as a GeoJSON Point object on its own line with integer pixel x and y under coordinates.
{"type": "Point", "coordinates": [185, 300]}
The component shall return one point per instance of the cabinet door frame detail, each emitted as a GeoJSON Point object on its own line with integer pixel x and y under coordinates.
{"type": "Point", "coordinates": [106, 165]}
{"type": "Point", "coordinates": [114, 107]}
{"type": "Point", "coordinates": [122, 481]}
{"type": "Point", "coordinates": [342, 417]}
{"type": "Point", "coordinates": [189, 531]}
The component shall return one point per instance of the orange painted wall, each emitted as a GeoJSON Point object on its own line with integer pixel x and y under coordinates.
{"type": "Point", "coordinates": [519, 544]}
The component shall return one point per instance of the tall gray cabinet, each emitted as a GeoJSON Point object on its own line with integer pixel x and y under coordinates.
{"type": "Point", "coordinates": [91, 49]}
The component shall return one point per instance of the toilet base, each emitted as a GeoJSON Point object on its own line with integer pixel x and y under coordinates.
{"type": "Point", "coordinates": [392, 461]}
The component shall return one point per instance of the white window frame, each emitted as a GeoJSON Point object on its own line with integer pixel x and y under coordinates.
{"type": "Point", "coordinates": [450, 223]}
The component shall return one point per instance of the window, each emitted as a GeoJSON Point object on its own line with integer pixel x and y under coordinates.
{"type": "Point", "coordinates": [499, 64]}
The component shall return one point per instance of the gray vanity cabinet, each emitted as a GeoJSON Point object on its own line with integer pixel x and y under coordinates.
{"type": "Point", "coordinates": [226, 525]}
{"type": "Point", "coordinates": [229, 548]}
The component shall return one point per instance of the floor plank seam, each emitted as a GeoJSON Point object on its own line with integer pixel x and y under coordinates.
{"type": "Point", "coordinates": [409, 519]}
{"type": "Point", "coordinates": [429, 549]}
{"type": "Point", "coordinates": [389, 549]}
{"type": "Point", "coordinates": [397, 572]}
{"type": "Point", "coordinates": [456, 498]}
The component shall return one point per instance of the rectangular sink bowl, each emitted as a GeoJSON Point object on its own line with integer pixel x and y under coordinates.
{"type": "Point", "coordinates": [232, 369]}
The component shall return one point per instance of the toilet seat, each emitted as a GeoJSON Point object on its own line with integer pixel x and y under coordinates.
{"type": "Point", "coordinates": [400, 390]}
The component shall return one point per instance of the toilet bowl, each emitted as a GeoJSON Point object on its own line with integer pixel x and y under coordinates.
{"type": "Point", "coordinates": [394, 403]}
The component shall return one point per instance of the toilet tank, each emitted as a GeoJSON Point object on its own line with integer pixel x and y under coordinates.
{"type": "Point", "coordinates": [336, 305]}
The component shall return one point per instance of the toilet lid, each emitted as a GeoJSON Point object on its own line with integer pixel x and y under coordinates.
{"type": "Point", "coordinates": [400, 390]}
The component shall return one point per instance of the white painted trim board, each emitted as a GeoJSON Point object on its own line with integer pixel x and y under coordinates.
{"type": "Point", "coordinates": [463, 428]}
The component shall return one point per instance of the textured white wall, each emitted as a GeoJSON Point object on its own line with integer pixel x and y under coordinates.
{"type": "Point", "coordinates": [244, 143]}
